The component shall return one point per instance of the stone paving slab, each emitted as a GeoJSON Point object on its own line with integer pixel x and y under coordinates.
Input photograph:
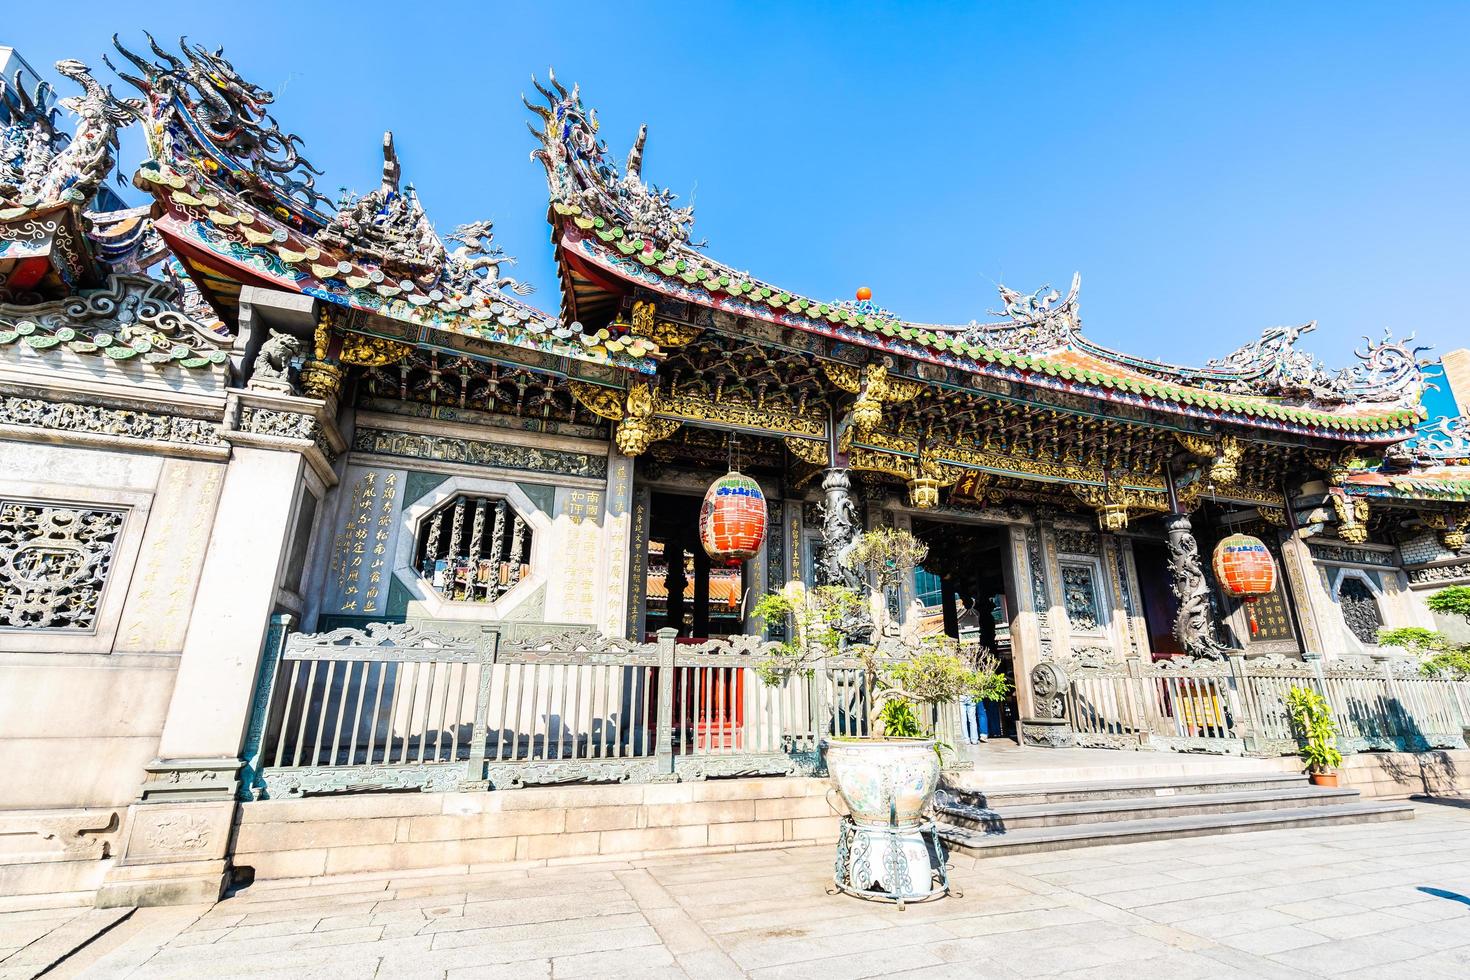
{"type": "Point", "coordinates": [1385, 900]}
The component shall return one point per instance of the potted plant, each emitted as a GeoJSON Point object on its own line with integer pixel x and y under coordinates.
{"type": "Point", "coordinates": [1311, 717]}
{"type": "Point", "coordinates": [886, 775]}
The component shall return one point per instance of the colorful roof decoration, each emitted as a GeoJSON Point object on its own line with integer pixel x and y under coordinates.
{"type": "Point", "coordinates": [613, 224]}
{"type": "Point", "coordinates": [240, 207]}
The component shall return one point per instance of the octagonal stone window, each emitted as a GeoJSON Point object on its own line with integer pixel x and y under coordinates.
{"type": "Point", "coordinates": [473, 548]}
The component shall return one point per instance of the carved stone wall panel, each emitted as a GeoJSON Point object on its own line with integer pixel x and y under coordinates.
{"type": "Point", "coordinates": [55, 561]}
{"type": "Point", "coordinates": [472, 452]}
{"type": "Point", "coordinates": [177, 832]}
{"type": "Point", "coordinates": [618, 544]}
{"type": "Point", "coordinates": [1080, 597]}
{"type": "Point", "coordinates": [577, 530]}
{"type": "Point", "coordinates": [160, 595]}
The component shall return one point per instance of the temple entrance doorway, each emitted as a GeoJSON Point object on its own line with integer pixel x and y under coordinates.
{"type": "Point", "coordinates": [964, 591]}
{"type": "Point", "coordinates": [684, 589]}
{"type": "Point", "coordinates": [1159, 604]}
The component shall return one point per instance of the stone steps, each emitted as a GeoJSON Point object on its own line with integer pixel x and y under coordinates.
{"type": "Point", "coordinates": [1110, 811]}
{"type": "Point", "coordinates": [1070, 792]}
{"type": "Point", "coordinates": [1029, 819]}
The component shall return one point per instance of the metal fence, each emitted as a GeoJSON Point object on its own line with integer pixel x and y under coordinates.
{"type": "Point", "coordinates": [1237, 705]}
{"type": "Point", "coordinates": [452, 706]}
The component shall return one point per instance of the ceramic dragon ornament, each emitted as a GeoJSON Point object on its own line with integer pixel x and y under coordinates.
{"type": "Point", "coordinates": [230, 111]}
{"type": "Point", "coordinates": [39, 164]}
{"type": "Point", "coordinates": [579, 170]}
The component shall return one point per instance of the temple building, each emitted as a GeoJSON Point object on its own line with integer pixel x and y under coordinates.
{"type": "Point", "coordinates": [244, 412]}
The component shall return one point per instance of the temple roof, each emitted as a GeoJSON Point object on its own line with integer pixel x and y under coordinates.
{"type": "Point", "coordinates": [239, 206]}
{"type": "Point", "coordinates": [613, 225]}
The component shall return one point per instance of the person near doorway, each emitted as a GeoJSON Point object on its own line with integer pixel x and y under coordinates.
{"type": "Point", "coordinates": [977, 726]}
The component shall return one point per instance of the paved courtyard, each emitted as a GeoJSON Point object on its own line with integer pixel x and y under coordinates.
{"type": "Point", "coordinates": [1380, 900]}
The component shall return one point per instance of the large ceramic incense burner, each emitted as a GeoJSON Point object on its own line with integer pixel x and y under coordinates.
{"type": "Point", "coordinates": [885, 783]}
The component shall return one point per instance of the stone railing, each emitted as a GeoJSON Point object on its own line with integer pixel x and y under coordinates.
{"type": "Point", "coordinates": [442, 706]}
{"type": "Point", "coordinates": [1236, 705]}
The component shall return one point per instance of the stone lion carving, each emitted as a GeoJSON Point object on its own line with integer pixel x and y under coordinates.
{"type": "Point", "coordinates": [272, 370]}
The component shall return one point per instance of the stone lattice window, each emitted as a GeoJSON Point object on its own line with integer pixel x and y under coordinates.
{"type": "Point", "coordinates": [473, 548]}
{"type": "Point", "coordinates": [1360, 609]}
{"type": "Point", "coordinates": [53, 564]}
{"type": "Point", "coordinates": [1079, 594]}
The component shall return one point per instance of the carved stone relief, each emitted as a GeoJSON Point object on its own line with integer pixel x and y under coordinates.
{"type": "Point", "coordinates": [53, 564]}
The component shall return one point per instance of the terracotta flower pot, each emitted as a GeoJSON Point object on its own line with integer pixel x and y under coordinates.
{"type": "Point", "coordinates": [1324, 778]}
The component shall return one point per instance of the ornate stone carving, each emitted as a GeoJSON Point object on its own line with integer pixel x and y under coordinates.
{"type": "Point", "coordinates": [1071, 541]}
{"type": "Point", "coordinates": [1049, 686]}
{"type": "Point", "coordinates": [1360, 612]}
{"type": "Point", "coordinates": [841, 527]}
{"type": "Point", "coordinates": [1194, 626]}
{"type": "Point", "coordinates": [98, 420]}
{"type": "Point", "coordinates": [1434, 574]}
{"type": "Point", "coordinates": [699, 768]}
{"type": "Point", "coordinates": [53, 564]}
{"type": "Point", "coordinates": [1351, 556]}
{"type": "Point", "coordinates": [1079, 596]}
{"type": "Point", "coordinates": [414, 445]}
{"type": "Point", "coordinates": [284, 425]}
{"type": "Point", "coordinates": [79, 836]}
{"type": "Point", "coordinates": [129, 317]}
{"type": "Point", "coordinates": [184, 832]}
{"type": "Point", "coordinates": [273, 364]}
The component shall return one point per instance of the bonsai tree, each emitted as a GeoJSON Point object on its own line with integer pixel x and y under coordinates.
{"type": "Point", "coordinates": [1442, 656]}
{"type": "Point", "coordinates": [1311, 719]}
{"type": "Point", "coordinates": [903, 670]}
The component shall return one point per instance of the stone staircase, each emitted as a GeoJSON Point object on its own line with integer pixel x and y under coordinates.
{"type": "Point", "coordinates": [1027, 818]}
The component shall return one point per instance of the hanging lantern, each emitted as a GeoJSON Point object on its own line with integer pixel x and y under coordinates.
{"type": "Point", "coordinates": [732, 521]}
{"type": "Point", "coordinates": [1245, 569]}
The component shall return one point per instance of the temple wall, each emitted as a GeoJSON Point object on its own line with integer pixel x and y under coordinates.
{"type": "Point", "coordinates": [365, 563]}
{"type": "Point", "coordinates": [107, 597]}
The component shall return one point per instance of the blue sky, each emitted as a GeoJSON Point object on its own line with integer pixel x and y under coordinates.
{"type": "Point", "coordinates": [1212, 169]}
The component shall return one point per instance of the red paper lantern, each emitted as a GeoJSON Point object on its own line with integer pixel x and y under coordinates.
{"type": "Point", "coordinates": [1245, 569]}
{"type": "Point", "coordinates": [732, 521]}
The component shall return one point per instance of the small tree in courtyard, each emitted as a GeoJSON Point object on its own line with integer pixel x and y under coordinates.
{"type": "Point", "coordinates": [1442, 656]}
{"type": "Point", "coordinates": [904, 671]}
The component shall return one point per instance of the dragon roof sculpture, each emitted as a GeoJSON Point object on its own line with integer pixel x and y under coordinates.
{"type": "Point", "coordinates": [40, 164]}
{"type": "Point", "coordinates": [201, 93]}
{"type": "Point", "coordinates": [240, 206]}
{"type": "Point", "coordinates": [578, 170]}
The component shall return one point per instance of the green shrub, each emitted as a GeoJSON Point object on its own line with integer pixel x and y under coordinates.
{"type": "Point", "coordinates": [1311, 721]}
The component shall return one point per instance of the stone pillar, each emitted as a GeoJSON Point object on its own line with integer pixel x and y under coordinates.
{"type": "Point", "coordinates": [1194, 625]}
{"type": "Point", "coordinates": [840, 528]}
{"type": "Point", "coordinates": [1026, 647]}
{"type": "Point", "coordinates": [1319, 621]}
{"type": "Point", "coordinates": [616, 544]}
{"type": "Point", "coordinates": [175, 838]}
